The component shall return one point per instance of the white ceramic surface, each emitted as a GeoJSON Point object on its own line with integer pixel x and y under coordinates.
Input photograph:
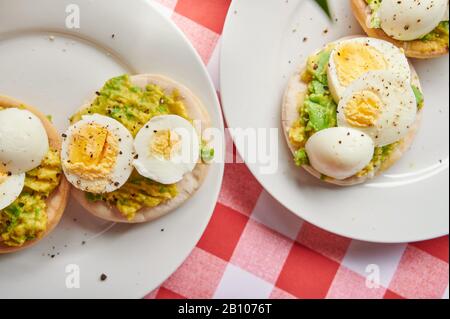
{"type": "Point", "coordinates": [264, 42]}
{"type": "Point", "coordinates": [57, 69]}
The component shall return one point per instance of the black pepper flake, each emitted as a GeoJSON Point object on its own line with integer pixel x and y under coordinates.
{"type": "Point", "coordinates": [103, 277]}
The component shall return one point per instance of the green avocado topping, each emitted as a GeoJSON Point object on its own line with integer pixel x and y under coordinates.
{"type": "Point", "coordinates": [439, 35]}
{"type": "Point", "coordinates": [134, 107]}
{"type": "Point", "coordinates": [26, 218]}
{"type": "Point", "coordinates": [318, 111]}
{"type": "Point", "coordinates": [419, 97]}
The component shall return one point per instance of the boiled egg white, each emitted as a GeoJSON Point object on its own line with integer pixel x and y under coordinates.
{"type": "Point", "coordinates": [97, 154]}
{"type": "Point", "coordinates": [380, 104]}
{"type": "Point", "coordinates": [23, 141]}
{"type": "Point", "coordinates": [339, 152]}
{"type": "Point", "coordinates": [408, 20]}
{"type": "Point", "coordinates": [168, 147]}
{"type": "Point", "coordinates": [352, 58]}
{"type": "Point", "coordinates": [11, 187]}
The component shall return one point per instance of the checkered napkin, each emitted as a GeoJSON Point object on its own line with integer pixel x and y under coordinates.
{"type": "Point", "coordinates": [254, 248]}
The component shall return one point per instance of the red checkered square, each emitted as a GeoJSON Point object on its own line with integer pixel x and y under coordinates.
{"type": "Point", "coordinates": [420, 275]}
{"type": "Point", "coordinates": [164, 293]}
{"type": "Point", "coordinates": [436, 247]}
{"type": "Point", "coordinates": [223, 232]}
{"type": "Point", "coordinates": [210, 14]}
{"type": "Point", "coordinates": [328, 244]}
{"type": "Point", "coordinates": [391, 295]}
{"type": "Point", "coordinates": [198, 277]}
{"type": "Point", "coordinates": [240, 190]}
{"type": "Point", "coordinates": [203, 39]}
{"type": "Point", "coordinates": [350, 285]}
{"type": "Point", "coordinates": [261, 251]}
{"type": "Point", "coordinates": [306, 273]}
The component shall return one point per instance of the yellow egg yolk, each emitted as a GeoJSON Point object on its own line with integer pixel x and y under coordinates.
{"type": "Point", "coordinates": [93, 152]}
{"type": "Point", "coordinates": [352, 60]}
{"type": "Point", "coordinates": [165, 143]}
{"type": "Point", "coordinates": [363, 109]}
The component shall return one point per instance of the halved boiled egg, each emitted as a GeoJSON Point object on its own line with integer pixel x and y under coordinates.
{"type": "Point", "coordinates": [23, 141]}
{"type": "Point", "coordinates": [168, 147]}
{"type": "Point", "coordinates": [10, 188]}
{"type": "Point", "coordinates": [97, 154]}
{"type": "Point", "coordinates": [339, 152]}
{"type": "Point", "coordinates": [408, 20]}
{"type": "Point", "coordinates": [380, 104]}
{"type": "Point", "coordinates": [350, 59]}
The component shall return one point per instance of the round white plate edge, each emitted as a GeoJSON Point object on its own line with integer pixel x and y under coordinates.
{"type": "Point", "coordinates": [233, 9]}
{"type": "Point", "coordinates": [218, 179]}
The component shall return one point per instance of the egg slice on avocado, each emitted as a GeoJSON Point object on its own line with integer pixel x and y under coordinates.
{"type": "Point", "coordinates": [156, 112]}
{"type": "Point", "coordinates": [420, 28]}
{"type": "Point", "coordinates": [33, 191]}
{"type": "Point", "coordinates": [384, 106]}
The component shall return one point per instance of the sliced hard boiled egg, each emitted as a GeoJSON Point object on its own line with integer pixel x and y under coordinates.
{"type": "Point", "coordinates": [380, 104]}
{"type": "Point", "coordinates": [340, 152]}
{"type": "Point", "coordinates": [350, 59]}
{"type": "Point", "coordinates": [10, 188]}
{"type": "Point", "coordinates": [97, 154]}
{"type": "Point", "coordinates": [168, 147]}
{"type": "Point", "coordinates": [408, 20]}
{"type": "Point", "coordinates": [23, 141]}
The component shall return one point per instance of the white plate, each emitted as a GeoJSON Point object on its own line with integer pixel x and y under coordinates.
{"type": "Point", "coordinates": [59, 76]}
{"type": "Point", "coordinates": [263, 43]}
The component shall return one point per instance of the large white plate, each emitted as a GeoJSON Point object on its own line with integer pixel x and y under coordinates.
{"type": "Point", "coordinates": [263, 42]}
{"type": "Point", "coordinates": [58, 76]}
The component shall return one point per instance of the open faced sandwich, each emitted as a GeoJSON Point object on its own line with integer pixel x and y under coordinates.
{"type": "Point", "coordinates": [352, 110]}
{"type": "Point", "coordinates": [135, 152]}
{"type": "Point", "coordinates": [33, 190]}
{"type": "Point", "coordinates": [418, 27]}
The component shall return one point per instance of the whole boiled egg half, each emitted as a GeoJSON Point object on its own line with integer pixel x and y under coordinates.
{"type": "Point", "coordinates": [381, 104]}
{"type": "Point", "coordinates": [97, 154]}
{"type": "Point", "coordinates": [408, 20]}
{"type": "Point", "coordinates": [23, 146]}
{"type": "Point", "coordinates": [23, 141]}
{"type": "Point", "coordinates": [168, 147]}
{"type": "Point", "coordinates": [352, 58]}
{"type": "Point", "coordinates": [340, 152]}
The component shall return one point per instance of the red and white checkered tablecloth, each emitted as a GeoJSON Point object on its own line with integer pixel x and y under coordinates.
{"type": "Point", "coordinates": [254, 248]}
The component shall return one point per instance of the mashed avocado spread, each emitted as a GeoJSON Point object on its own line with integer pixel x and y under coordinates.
{"type": "Point", "coordinates": [318, 111]}
{"type": "Point", "coordinates": [26, 218]}
{"type": "Point", "coordinates": [134, 107]}
{"type": "Point", "coordinates": [439, 35]}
